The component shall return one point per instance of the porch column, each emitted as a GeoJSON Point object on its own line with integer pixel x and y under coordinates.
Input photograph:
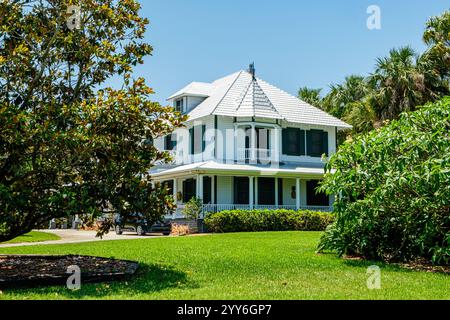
{"type": "Point", "coordinates": [276, 149]}
{"type": "Point", "coordinates": [276, 191]}
{"type": "Point", "coordinates": [235, 149]}
{"type": "Point", "coordinates": [199, 189]}
{"type": "Point", "coordinates": [256, 191]}
{"type": "Point", "coordinates": [297, 193]}
{"type": "Point", "coordinates": [175, 181]}
{"type": "Point", "coordinates": [250, 192]}
{"type": "Point", "coordinates": [253, 144]}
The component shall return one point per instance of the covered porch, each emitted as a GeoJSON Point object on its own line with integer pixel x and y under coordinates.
{"type": "Point", "coordinates": [245, 187]}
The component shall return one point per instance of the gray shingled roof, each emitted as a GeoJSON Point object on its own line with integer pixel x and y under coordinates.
{"type": "Point", "coordinates": [240, 95]}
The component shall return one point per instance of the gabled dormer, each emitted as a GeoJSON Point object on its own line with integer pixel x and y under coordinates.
{"type": "Point", "coordinates": [190, 96]}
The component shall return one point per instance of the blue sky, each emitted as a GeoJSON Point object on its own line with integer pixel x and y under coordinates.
{"type": "Point", "coordinates": [293, 43]}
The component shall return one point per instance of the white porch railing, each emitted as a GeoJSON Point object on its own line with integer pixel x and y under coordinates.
{"type": "Point", "coordinates": [247, 154]}
{"type": "Point", "coordinates": [212, 208]}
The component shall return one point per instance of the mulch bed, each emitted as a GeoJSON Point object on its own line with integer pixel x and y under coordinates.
{"type": "Point", "coordinates": [26, 271]}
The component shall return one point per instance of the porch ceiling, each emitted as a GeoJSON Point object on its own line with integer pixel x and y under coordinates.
{"type": "Point", "coordinates": [216, 168]}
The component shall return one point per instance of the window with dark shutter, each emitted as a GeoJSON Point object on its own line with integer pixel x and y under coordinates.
{"type": "Point", "coordinates": [191, 140]}
{"type": "Point", "coordinates": [316, 143]}
{"type": "Point", "coordinates": [293, 142]}
{"type": "Point", "coordinates": [197, 139]}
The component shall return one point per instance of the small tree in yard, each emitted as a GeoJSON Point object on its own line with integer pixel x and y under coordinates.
{"type": "Point", "coordinates": [193, 208]}
{"type": "Point", "coordinates": [68, 145]}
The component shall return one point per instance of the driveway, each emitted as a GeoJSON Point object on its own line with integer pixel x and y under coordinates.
{"type": "Point", "coordinates": [75, 236]}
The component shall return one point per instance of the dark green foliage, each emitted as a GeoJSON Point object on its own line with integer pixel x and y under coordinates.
{"type": "Point", "coordinates": [69, 144]}
{"type": "Point", "coordinates": [267, 220]}
{"type": "Point", "coordinates": [394, 187]}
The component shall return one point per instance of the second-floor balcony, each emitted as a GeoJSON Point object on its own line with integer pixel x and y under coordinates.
{"type": "Point", "coordinates": [256, 155]}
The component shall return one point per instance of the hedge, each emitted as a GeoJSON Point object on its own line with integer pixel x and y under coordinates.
{"type": "Point", "coordinates": [267, 220]}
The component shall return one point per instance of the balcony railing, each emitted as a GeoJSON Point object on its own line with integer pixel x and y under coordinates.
{"type": "Point", "coordinates": [248, 154]}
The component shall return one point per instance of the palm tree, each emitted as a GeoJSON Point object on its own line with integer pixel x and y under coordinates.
{"type": "Point", "coordinates": [338, 100]}
{"type": "Point", "coordinates": [311, 96]}
{"type": "Point", "coordinates": [399, 84]}
{"type": "Point", "coordinates": [437, 57]}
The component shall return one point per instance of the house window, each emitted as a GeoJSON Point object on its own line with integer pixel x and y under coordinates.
{"type": "Point", "coordinates": [170, 142]}
{"type": "Point", "coordinates": [293, 142]}
{"type": "Point", "coordinates": [314, 198]}
{"type": "Point", "coordinates": [189, 189]}
{"type": "Point", "coordinates": [179, 105]}
{"type": "Point", "coordinates": [317, 143]}
{"type": "Point", "coordinates": [197, 139]}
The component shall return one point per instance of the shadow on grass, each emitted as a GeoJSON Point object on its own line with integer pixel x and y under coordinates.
{"type": "Point", "coordinates": [148, 279]}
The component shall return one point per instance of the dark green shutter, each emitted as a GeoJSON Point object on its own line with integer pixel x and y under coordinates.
{"type": "Point", "coordinates": [285, 141]}
{"type": "Point", "coordinates": [206, 190]}
{"type": "Point", "coordinates": [203, 138]}
{"type": "Point", "coordinates": [302, 143]}
{"type": "Point", "coordinates": [191, 137]}
{"type": "Point", "coordinates": [308, 143]}
{"type": "Point", "coordinates": [325, 142]}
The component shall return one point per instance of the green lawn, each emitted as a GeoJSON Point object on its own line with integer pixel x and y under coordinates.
{"type": "Point", "coordinates": [34, 236]}
{"type": "Point", "coordinates": [237, 266]}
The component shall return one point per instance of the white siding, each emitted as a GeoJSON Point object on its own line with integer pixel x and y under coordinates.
{"type": "Point", "coordinates": [225, 192]}
{"type": "Point", "coordinates": [192, 102]}
{"type": "Point", "coordinates": [287, 190]}
{"type": "Point", "coordinates": [225, 139]}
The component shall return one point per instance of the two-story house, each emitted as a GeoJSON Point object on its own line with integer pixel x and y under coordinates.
{"type": "Point", "coordinates": [247, 144]}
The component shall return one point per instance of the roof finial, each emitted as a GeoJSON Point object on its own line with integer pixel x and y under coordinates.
{"type": "Point", "coordinates": [251, 70]}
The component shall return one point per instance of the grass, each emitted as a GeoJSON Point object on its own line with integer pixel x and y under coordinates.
{"type": "Point", "coordinates": [277, 265]}
{"type": "Point", "coordinates": [34, 236]}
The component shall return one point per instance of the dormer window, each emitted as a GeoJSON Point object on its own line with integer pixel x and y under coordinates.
{"type": "Point", "coordinates": [179, 105]}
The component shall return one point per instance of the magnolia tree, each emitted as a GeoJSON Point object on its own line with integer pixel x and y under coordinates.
{"type": "Point", "coordinates": [68, 144]}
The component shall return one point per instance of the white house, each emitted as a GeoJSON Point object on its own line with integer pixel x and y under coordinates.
{"type": "Point", "coordinates": [247, 144]}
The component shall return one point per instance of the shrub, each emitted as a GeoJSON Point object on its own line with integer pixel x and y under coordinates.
{"type": "Point", "coordinates": [394, 187]}
{"type": "Point", "coordinates": [193, 208]}
{"type": "Point", "coordinates": [267, 220]}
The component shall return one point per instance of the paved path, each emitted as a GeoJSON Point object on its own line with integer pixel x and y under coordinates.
{"type": "Point", "coordinates": [75, 236]}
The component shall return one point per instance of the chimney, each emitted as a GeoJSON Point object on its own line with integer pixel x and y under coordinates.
{"type": "Point", "coordinates": [251, 70]}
